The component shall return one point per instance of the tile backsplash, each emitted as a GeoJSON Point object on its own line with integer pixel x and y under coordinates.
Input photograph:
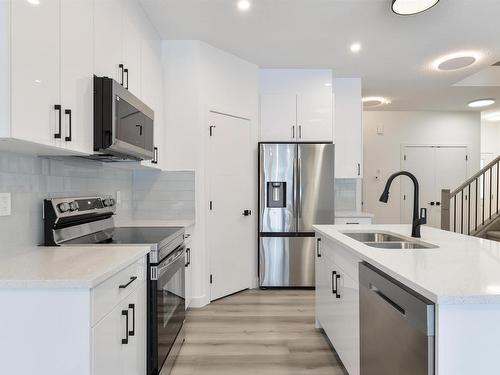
{"type": "Point", "coordinates": [345, 194]}
{"type": "Point", "coordinates": [29, 179]}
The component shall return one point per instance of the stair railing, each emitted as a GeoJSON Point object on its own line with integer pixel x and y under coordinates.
{"type": "Point", "coordinates": [473, 204]}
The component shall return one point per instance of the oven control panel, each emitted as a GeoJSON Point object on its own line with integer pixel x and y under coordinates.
{"type": "Point", "coordinates": [65, 207]}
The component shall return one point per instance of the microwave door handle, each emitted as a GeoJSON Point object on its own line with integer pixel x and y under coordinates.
{"type": "Point", "coordinates": [140, 129]}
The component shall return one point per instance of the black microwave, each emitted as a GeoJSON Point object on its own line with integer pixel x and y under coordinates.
{"type": "Point", "coordinates": [123, 124]}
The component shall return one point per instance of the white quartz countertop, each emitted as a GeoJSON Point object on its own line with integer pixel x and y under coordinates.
{"type": "Point", "coordinates": [462, 270]}
{"type": "Point", "coordinates": [64, 267]}
{"type": "Point", "coordinates": [353, 214]}
{"type": "Point", "coordinates": [153, 223]}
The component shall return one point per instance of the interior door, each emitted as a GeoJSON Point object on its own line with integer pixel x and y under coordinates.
{"type": "Point", "coordinates": [315, 180]}
{"type": "Point", "coordinates": [436, 168]}
{"type": "Point", "coordinates": [230, 234]}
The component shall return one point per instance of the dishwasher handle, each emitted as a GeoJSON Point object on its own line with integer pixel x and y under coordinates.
{"type": "Point", "coordinates": [377, 291]}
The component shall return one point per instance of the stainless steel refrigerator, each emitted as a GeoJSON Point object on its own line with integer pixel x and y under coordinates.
{"type": "Point", "coordinates": [296, 191]}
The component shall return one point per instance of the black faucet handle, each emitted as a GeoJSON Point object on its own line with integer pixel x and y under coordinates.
{"type": "Point", "coordinates": [423, 216]}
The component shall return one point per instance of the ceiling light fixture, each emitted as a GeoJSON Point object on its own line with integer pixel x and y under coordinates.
{"type": "Point", "coordinates": [493, 117]}
{"type": "Point", "coordinates": [409, 7]}
{"type": "Point", "coordinates": [355, 47]}
{"type": "Point", "coordinates": [481, 103]}
{"type": "Point", "coordinates": [328, 84]}
{"type": "Point", "coordinates": [456, 60]}
{"type": "Point", "coordinates": [244, 5]}
{"type": "Point", "coordinates": [34, 2]}
{"type": "Point", "coordinates": [375, 101]}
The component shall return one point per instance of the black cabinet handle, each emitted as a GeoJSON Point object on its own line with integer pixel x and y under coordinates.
{"type": "Point", "coordinates": [132, 279]}
{"type": "Point", "coordinates": [121, 69]}
{"type": "Point", "coordinates": [337, 278]}
{"type": "Point", "coordinates": [432, 203]}
{"type": "Point", "coordinates": [188, 255]}
{"type": "Point", "coordinates": [155, 156]}
{"type": "Point", "coordinates": [247, 212]}
{"type": "Point", "coordinates": [318, 250]}
{"type": "Point", "coordinates": [68, 112]}
{"type": "Point", "coordinates": [140, 129]}
{"type": "Point", "coordinates": [334, 281]}
{"type": "Point", "coordinates": [359, 169]}
{"type": "Point", "coordinates": [438, 203]}
{"type": "Point", "coordinates": [57, 107]}
{"type": "Point", "coordinates": [125, 313]}
{"type": "Point", "coordinates": [132, 307]}
{"type": "Point", "coordinates": [126, 72]}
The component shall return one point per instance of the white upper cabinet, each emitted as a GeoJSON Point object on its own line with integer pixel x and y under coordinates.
{"type": "Point", "coordinates": [77, 66]}
{"type": "Point", "coordinates": [314, 117]}
{"type": "Point", "coordinates": [348, 128]}
{"type": "Point", "coordinates": [134, 22]}
{"type": "Point", "coordinates": [108, 31]}
{"type": "Point", "coordinates": [296, 105]}
{"type": "Point", "coordinates": [35, 72]}
{"type": "Point", "coordinates": [278, 117]}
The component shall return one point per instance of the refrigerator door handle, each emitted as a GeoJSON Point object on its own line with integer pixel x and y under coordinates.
{"type": "Point", "coordinates": [294, 192]}
{"type": "Point", "coordinates": [299, 188]}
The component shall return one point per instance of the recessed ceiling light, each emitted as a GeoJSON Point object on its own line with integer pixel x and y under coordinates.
{"type": "Point", "coordinates": [408, 7]}
{"type": "Point", "coordinates": [355, 47]}
{"type": "Point", "coordinates": [493, 117]}
{"type": "Point", "coordinates": [456, 60]}
{"type": "Point", "coordinates": [34, 2]}
{"type": "Point", "coordinates": [244, 5]}
{"type": "Point", "coordinates": [481, 103]}
{"type": "Point", "coordinates": [375, 101]}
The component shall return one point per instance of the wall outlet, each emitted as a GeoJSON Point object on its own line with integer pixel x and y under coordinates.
{"type": "Point", "coordinates": [5, 204]}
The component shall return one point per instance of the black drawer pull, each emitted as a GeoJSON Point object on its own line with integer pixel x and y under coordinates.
{"type": "Point", "coordinates": [318, 250]}
{"type": "Point", "coordinates": [126, 72]}
{"type": "Point", "coordinates": [132, 279]}
{"type": "Point", "coordinates": [121, 69]}
{"type": "Point", "coordinates": [68, 112]}
{"type": "Point", "coordinates": [125, 313]}
{"type": "Point", "coordinates": [337, 278]}
{"type": "Point", "coordinates": [57, 107]}
{"type": "Point", "coordinates": [334, 282]}
{"type": "Point", "coordinates": [132, 307]}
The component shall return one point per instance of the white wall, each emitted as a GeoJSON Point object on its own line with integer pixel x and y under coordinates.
{"type": "Point", "coordinates": [490, 140]}
{"type": "Point", "coordinates": [382, 153]}
{"type": "Point", "coordinates": [200, 78]}
{"type": "Point", "coordinates": [4, 68]}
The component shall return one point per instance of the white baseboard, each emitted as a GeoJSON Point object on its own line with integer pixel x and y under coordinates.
{"type": "Point", "coordinates": [198, 302]}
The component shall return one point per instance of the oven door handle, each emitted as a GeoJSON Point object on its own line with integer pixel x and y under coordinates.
{"type": "Point", "coordinates": [162, 269]}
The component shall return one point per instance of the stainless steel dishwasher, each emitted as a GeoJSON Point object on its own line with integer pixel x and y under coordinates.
{"type": "Point", "coordinates": [396, 327]}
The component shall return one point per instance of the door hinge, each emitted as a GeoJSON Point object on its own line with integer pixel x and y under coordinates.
{"type": "Point", "coordinates": [404, 197]}
{"type": "Point", "coordinates": [211, 279]}
{"type": "Point", "coordinates": [404, 157]}
{"type": "Point", "coordinates": [466, 157]}
{"type": "Point", "coordinates": [210, 128]}
{"type": "Point", "coordinates": [211, 205]}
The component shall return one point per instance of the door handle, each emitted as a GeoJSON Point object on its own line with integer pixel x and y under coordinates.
{"type": "Point", "coordinates": [337, 278]}
{"type": "Point", "coordinates": [188, 253]}
{"type": "Point", "coordinates": [132, 307]}
{"type": "Point", "coordinates": [155, 156]}
{"type": "Point", "coordinates": [57, 107]}
{"type": "Point", "coordinates": [120, 66]}
{"type": "Point", "coordinates": [318, 249]}
{"type": "Point", "coordinates": [125, 313]}
{"type": "Point", "coordinates": [126, 72]}
{"type": "Point", "coordinates": [140, 129]}
{"type": "Point", "coordinates": [68, 112]}
{"type": "Point", "coordinates": [334, 282]}
{"type": "Point", "coordinates": [247, 212]}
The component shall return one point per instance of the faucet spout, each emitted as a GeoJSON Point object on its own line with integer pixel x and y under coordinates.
{"type": "Point", "coordinates": [418, 220]}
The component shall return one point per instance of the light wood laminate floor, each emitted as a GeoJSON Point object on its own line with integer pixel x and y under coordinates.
{"type": "Point", "coordinates": [256, 332]}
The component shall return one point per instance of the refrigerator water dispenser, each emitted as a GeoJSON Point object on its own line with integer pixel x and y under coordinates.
{"type": "Point", "coordinates": [276, 194]}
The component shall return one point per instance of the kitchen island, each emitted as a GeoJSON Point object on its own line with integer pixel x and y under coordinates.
{"type": "Point", "coordinates": [461, 276]}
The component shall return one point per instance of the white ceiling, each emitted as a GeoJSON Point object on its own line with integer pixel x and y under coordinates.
{"type": "Point", "coordinates": [396, 54]}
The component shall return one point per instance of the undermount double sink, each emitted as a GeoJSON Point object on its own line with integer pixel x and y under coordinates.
{"type": "Point", "coordinates": [383, 240]}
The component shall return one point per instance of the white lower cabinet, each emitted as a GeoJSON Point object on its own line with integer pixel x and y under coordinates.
{"type": "Point", "coordinates": [337, 302]}
{"type": "Point", "coordinates": [119, 339]}
{"type": "Point", "coordinates": [189, 265]}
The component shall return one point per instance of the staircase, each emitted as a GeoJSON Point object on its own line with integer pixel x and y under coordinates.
{"type": "Point", "coordinates": [473, 208]}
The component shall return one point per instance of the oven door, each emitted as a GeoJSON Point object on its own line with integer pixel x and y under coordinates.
{"type": "Point", "coordinates": [168, 307]}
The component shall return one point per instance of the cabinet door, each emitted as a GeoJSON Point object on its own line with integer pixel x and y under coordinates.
{"type": "Point", "coordinates": [35, 71]}
{"type": "Point", "coordinates": [108, 38]}
{"type": "Point", "coordinates": [152, 92]}
{"type": "Point", "coordinates": [322, 283]}
{"type": "Point", "coordinates": [107, 349]}
{"type": "Point", "coordinates": [278, 117]}
{"type": "Point", "coordinates": [188, 274]}
{"type": "Point", "coordinates": [77, 66]}
{"type": "Point", "coordinates": [133, 19]}
{"type": "Point", "coordinates": [315, 117]}
{"type": "Point", "coordinates": [348, 128]}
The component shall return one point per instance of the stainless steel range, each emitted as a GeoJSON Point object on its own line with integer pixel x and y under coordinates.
{"type": "Point", "coordinates": [89, 221]}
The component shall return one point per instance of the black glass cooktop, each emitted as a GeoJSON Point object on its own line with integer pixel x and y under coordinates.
{"type": "Point", "coordinates": [128, 236]}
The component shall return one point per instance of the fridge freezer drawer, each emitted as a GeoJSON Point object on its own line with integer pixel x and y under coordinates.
{"type": "Point", "coordinates": [286, 261]}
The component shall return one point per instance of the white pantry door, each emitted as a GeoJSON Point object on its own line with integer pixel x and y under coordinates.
{"type": "Point", "coordinates": [229, 232]}
{"type": "Point", "coordinates": [436, 168]}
